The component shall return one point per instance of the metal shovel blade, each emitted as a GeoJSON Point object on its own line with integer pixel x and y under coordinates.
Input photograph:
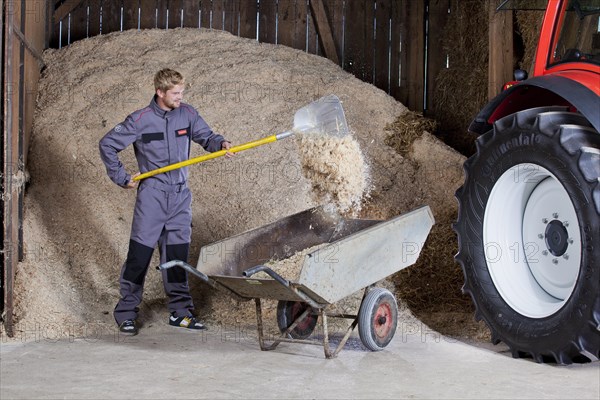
{"type": "Point", "coordinates": [324, 116]}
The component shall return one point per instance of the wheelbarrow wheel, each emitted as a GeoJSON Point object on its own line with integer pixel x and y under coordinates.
{"type": "Point", "coordinates": [377, 319]}
{"type": "Point", "coordinates": [288, 312]}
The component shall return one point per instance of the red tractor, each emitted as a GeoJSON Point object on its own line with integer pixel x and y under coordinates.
{"type": "Point", "coordinates": [529, 211]}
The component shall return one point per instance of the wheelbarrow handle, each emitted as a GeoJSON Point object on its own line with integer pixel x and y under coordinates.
{"type": "Point", "coordinates": [254, 270]}
{"type": "Point", "coordinates": [186, 266]}
{"type": "Point", "coordinates": [208, 280]}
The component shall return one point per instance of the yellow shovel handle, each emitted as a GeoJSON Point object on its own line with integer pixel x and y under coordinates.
{"type": "Point", "coordinates": [206, 157]}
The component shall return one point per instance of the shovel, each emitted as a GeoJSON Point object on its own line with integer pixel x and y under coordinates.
{"type": "Point", "coordinates": [323, 116]}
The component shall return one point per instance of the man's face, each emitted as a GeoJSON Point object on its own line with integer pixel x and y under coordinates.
{"type": "Point", "coordinates": [171, 98]}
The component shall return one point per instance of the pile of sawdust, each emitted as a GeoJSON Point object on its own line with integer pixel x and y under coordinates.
{"type": "Point", "coordinates": [336, 168]}
{"type": "Point", "coordinates": [77, 222]}
{"type": "Point", "coordinates": [289, 268]}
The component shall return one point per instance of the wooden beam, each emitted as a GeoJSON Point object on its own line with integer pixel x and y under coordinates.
{"type": "Point", "coordinates": [36, 54]}
{"type": "Point", "coordinates": [501, 58]}
{"type": "Point", "coordinates": [191, 14]}
{"type": "Point", "coordinates": [10, 136]}
{"type": "Point", "coordinates": [65, 8]}
{"type": "Point", "coordinates": [382, 45]}
{"type": "Point", "coordinates": [319, 13]}
{"type": "Point", "coordinates": [286, 22]}
{"type": "Point", "coordinates": [248, 19]}
{"type": "Point", "coordinates": [398, 73]}
{"type": "Point", "coordinates": [267, 29]}
{"type": "Point", "coordinates": [415, 44]}
{"type": "Point", "coordinates": [436, 56]}
{"type": "Point", "coordinates": [335, 10]}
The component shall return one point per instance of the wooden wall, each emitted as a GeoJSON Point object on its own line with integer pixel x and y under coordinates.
{"type": "Point", "coordinates": [382, 42]}
{"type": "Point", "coordinates": [23, 38]}
{"type": "Point", "coordinates": [394, 44]}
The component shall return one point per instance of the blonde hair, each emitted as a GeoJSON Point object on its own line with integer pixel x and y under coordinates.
{"type": "Point", "coordinates": [167, 78]}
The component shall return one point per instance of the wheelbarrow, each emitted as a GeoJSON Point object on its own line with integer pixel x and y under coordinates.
{"type": "Point", "coordinates": [354, 255]}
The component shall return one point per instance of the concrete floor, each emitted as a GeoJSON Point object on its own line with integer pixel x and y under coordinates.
{"type": "Point", "coordinates": [166, 362]}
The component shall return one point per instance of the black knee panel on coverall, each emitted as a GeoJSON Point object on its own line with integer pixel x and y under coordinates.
{"type": "Point", "coordinates": [136, 265]}
{"type": "Point", "coordinates": [177, 252]}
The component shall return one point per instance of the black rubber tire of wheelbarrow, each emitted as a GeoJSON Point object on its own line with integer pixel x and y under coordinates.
{"type": "Point", "coordinates": [377, 319]}
{"type": "Point", "coordinates": [288, 311]}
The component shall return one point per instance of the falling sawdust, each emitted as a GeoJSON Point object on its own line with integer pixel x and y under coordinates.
{"type": "Point", "coordinates": [337, 170]}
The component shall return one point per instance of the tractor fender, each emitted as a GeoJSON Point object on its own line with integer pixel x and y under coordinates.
{"type": "Point", "coordinates": [539, 91]}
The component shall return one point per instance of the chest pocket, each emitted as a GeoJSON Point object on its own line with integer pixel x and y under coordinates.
{"type": "Point", "coordinates": [155, 148]}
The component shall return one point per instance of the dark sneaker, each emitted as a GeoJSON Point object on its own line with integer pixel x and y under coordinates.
{"type": "Point", "coordinates": [188, 322]}
{"type": "Point", "coordinates": [128, 327]}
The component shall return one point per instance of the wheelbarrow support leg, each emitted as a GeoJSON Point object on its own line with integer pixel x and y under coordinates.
{"type": "Point", "coordinates": [259, 325]}
{"type": "Point", "coordinates": [328, 353]}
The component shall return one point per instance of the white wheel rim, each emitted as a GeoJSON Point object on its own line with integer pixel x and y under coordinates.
{"type": "Point", "coordinates": [532, 241]}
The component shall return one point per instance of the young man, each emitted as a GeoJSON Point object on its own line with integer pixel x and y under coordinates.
{"type": "Point", "coordinates": [161, 134]}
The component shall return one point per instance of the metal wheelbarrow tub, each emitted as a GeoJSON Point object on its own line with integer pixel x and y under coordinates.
{"type": "Point", "coordinates": [357, 254]}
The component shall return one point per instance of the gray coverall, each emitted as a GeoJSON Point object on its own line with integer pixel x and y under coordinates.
{"type": "Point", "coordinates": [162, 211]}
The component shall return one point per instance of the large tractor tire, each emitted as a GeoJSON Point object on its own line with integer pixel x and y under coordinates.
{"type": "Point", "coordinates": [529, 234]}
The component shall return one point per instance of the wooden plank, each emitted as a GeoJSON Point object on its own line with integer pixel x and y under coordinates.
{"type": "Point", "coordinates": [147, 14]}
{"type": "Point", "coordinates": [37, 55]}
{"type": "Point", "coordinates": [382, 44]}
{"type": "Point", "coordinates": [60, 37]}
{"type": "Point", "coordinates": [161, 14]}
{"type": "Point", "coordinates": [168, 14]}
{"type": "Point", "coordinates": [398, 59]}
{"type": "Point", "coordinates": [313, 46]}
{"type": "Point", "coordinates": [49, 11]}
{"type": "Point", "coordinates": [35, 32]}
{"type": "Point", "coordinates": [111, 16]}
{"type": "Point", "coordinates": [300, 23]}
{"type": "Point", "coordinates": [286, 14]}
{"type": "Point", "coordinates": [248, 10]}
{"type": "Point", "coordinates": [11, 98]}
{"type": "Point", "coordinates": [74, 22]}
{"type": "Point", "coordinates": [94, 18]}
{"type": "Point", "coordinates": [354, 51]}
{"type": "Point", "coordinates": [232, 16]}
{"type": "Point", "coordinates": [267, 25]}
{"type": "Point", "coordinates": [130, 14]}
{"type": "Point", "coordinates": [66, 8]}
{"type": "Point", "coordinates": [53, 29]}
{"type": "Point", "coordinates": [436, 56]}
{"type": "Point", "coordinates": [191, 13]}
{"type": "Point", "coordinates": [500, 69]}
{"type": "Point", "coordinates": [217, 15]}
{"type": "Point", "coordinates": [336, 11]}
{"type": "Point", "coordinates": [323, 28]}
{"type": "Point", "coordinates": [415, 55]}
{"type": "Point", "coordinates": [205, 13]}
{"type": "Point", "coordinates": [369, 43]}
{"type": "Point", "coordinates": [174, 14]}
